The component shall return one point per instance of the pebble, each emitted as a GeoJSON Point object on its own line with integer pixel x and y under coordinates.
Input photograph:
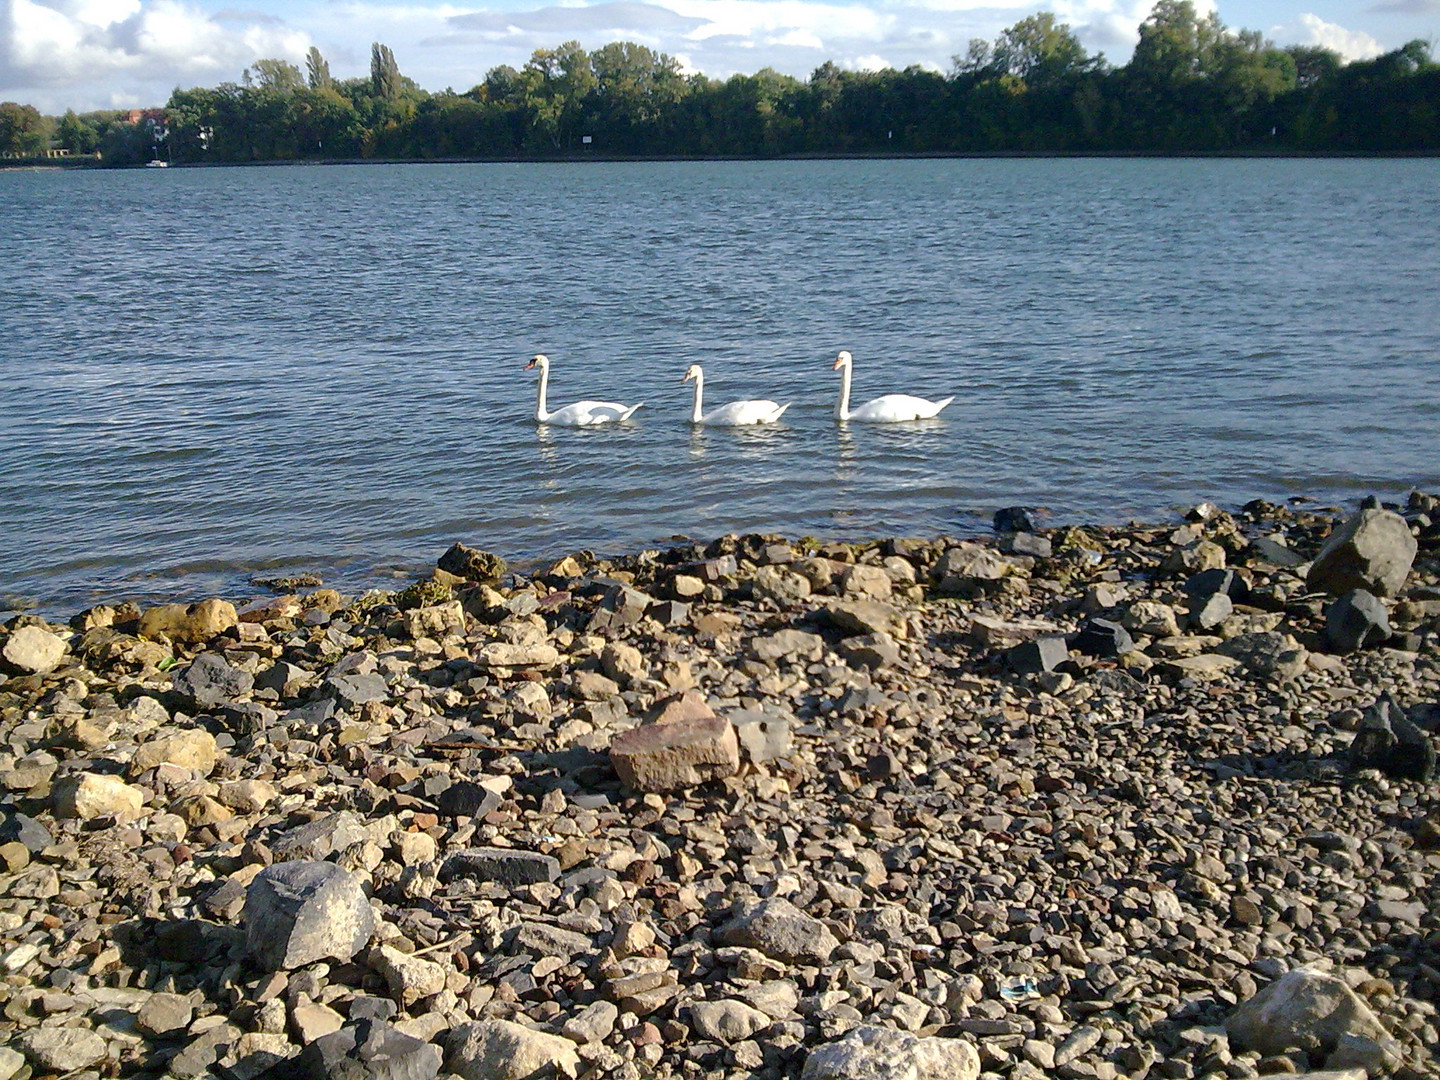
{"type": "Point", "coordinates": [921, 850]}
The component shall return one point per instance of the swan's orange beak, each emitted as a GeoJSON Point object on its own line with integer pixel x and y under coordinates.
{"type": "Point", "coordinates": [529, 365]}
{"type": "Point", "coordinates": [839, 363]}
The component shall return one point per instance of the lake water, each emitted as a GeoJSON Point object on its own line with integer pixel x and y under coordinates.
{"type": "Point", "coordinates": [211, 374]}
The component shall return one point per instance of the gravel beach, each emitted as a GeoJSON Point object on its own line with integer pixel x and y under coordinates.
{"type": "Point", "coordinates": [1104, 802]}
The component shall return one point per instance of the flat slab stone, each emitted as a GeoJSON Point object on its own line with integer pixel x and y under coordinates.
{"type": "Point", "coordinates": [667, 757]}
{"type": "Point", "coordinates": [506, 866]}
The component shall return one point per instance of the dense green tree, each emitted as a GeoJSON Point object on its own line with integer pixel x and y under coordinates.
{"type": "Point", "coordinates": [127, 144]}
{"type": "Point", "coordinates": [554, 86]}
{"type": "Point", "coordinates": [79, 135]}
{"type": "Point", "coordinates": [278, 75]}
{"type": "Point", "coordinates": [1042, 52]}
{"type": "Point", "coordinates": [22, 129]}
{"type": "Point", "coordinates": [1314, 64]}
{"type": "Point", "coordinates": [634, 88]}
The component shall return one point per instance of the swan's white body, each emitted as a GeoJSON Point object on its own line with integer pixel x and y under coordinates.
{"type": "Point", "coordinates": [889, 409]}
{"type": "Point", "coordinates": [736, 413]}
{"type": "Point", "coordinates": [580, 414]}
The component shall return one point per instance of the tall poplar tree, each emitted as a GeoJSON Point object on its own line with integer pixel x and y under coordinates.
{"type": "Point", "coordinates": [317, 70]}
{"type": "Point", "coordinates": [384, 73]}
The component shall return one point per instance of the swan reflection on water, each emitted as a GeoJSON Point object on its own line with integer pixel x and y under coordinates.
{"type": "Point", "coordinates": [754, 441]}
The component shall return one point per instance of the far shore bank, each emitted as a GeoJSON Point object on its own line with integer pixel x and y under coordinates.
{"type": "Point", "coordinates": [611, 159]}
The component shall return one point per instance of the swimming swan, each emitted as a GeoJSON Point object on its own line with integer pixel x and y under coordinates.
{"type": "Point", "coordinates": [883, 410]}
{"type": "Point", "coordinates": [735, 414]}
{"type": "Point", "coordinates": [582, 413]}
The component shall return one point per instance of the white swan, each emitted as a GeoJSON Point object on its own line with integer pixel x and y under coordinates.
{"type": "Point", "coordinates": [735, 414]}
{"type": "Point", "coordinates": [883, 410]}
{"type": "Point", "coordinates": [582, 413]}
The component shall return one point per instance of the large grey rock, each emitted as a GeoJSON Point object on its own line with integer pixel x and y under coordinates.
{"type": "Point", "coordinates": [299, 912]}
{"type": "Point", "coordinates": [318, 839]}
{"type": "Point", "coordinates": [621, 606]}
{"type": "Point", "coordinates": [1303, 1009]}
{"type": "Point", "coordinates": [366, 1049]}
{"type": "Point", "coordinates": [60, 1049]}
{"type": "Point", "coordinates": [1373, 550]}
{"type": "Point", "coordinates": [1387, 740]}
{"type": "Point", "coordinates": [780, 930]}
{"type": "Point", "coordinates": [779, 583]}
{"type": "Point", "coordinates": [502, 1050]}
{"type": "Point", "coordinates": [33, 650]}
{"type": "Point", "coordinates": [1356, 620]}
{"type": "Point", "coordinates": [727, 1021]}
{"type": "Point", "coordinates": [211, 680]}
{"type": "Point", "coordinates": [165, 1015]}
{"type": "Point", "coordinates": [876, 1053]}
{"type": "Point", "coordinates": [862, 617]}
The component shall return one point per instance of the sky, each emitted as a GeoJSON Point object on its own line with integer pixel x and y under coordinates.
{"type": "Point", "coordinates": [111, 54]}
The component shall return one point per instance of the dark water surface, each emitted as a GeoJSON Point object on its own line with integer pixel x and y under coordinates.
{"type": "Point", "coordinates": [209, 374]}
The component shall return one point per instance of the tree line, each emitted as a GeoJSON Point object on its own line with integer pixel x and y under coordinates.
{"type": "Point", "coordinates": [1192, 85]}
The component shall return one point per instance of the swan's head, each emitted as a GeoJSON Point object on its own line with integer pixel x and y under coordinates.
{"type": "Point", "coordinates": [692, 372]}
{"type": "Point", "coordinates": [541, 360]}
{"type": "Point", "coordinates": [842, 360]}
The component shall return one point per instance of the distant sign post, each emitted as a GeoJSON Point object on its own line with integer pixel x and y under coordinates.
{"type": "Point", "coordinates": [586, 140]}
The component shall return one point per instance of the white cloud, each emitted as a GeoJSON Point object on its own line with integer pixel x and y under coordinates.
{"type": "Point", "coordinates": [85, 55]}
{"type": "Point", "coordinates": [1313, 30]}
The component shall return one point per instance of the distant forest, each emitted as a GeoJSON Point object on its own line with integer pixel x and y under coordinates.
{"type": "Point", "coordinates": [1192, 86]}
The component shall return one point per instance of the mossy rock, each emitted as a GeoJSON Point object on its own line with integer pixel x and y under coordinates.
{"type": "Point", "coordinates": [472, 564]}
{"type": "Point", "coordinates": [422, 594]}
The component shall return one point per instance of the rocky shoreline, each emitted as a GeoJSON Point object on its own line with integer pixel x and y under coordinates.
{"type": "Point", "coordinates": [1139, 801]}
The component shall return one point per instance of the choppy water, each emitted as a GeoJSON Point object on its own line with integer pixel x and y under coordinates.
{"type": "Point", "coordinates": [213, 373]}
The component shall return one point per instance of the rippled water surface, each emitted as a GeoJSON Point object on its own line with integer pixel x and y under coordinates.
{"type": "Point", "coordinates": [210, 374]}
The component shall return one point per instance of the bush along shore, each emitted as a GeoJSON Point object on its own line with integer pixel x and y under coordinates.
{"type": "Point", "coordinates": [1141, 801]}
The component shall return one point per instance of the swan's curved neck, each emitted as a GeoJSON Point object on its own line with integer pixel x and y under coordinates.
{"type": "Point", "coordinates": [540, 413]}
{"type": "Point", "coordinates": [842, 407]}
{"type": "Point", "coordinates": [699, 390]}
